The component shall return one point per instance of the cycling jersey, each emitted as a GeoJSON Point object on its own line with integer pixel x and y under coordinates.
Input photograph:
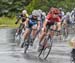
{"type": "Point", "coordinates": [50, 19]}
{"type": "Point", "coordinates": [31, 17]}
{"type": "Point", "coordinates": [73, 16]}
{"type": "Point", "coordinates": [61, 14]}
{"type": "Point", "coordinates": [67, 18]}
{"type": "Point", "coordinates": [73, 13]}
{"type": "Point", "coordinates": [32, 21]}
{"type": "Point", "coordinates": [27, 15]}
{"type": "Point", "coordinates": [22, 17]}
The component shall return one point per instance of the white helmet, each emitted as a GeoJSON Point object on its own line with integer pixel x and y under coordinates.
{"type": "Point", "coordinates": [24, 12]}
{"type": "Point", "coordinates": [60, 9]}
{"type": "Point", "coordinates": [74, 9]}
{"type": "Point", "coordinates": [68, 13]}
{"type": "Point", "coordinates": [34, 13]}
{"type": "Point", "coordinates": [40, 11]}
{"type": "Point", "coordinates": [43, 13]}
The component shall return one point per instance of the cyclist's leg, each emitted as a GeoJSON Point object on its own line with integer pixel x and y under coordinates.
{"type": "Point", "coordinates": [59, 28]}
{"type": "Point", "coordinates": [65, 26]}
{"type": "Point", "coordinates": [63, 23]}
{"type": "Point", "coordinates": [43, 33]}
{"type": "Point", "coordinates": [34, 30]}
{"type": "Point", "coordinates": [24, 23]}
{"type": "Point", "coordinates": [52, 29]}
{"type": "Point", "coordinates": [49, 34]}
{"type": "Point", "coordinates": [41, 37]}
{"type": "Point", "coordinates": [26, 33]}
{"type": "Point", "coordinates": [17, 31]}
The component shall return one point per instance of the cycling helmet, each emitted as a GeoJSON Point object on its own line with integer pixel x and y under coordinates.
{"type": "Point", "coordinates": [54, 10]}
{"type": "Point", "coordinates": [68, 13]}
{"type": "Point", "coordinates": [40, 11]}
{"type": "Point", "coordinates": [24, 12]}
{"type": "Point", "coordinates": [60, 9]}
{"type": "Point", "coordinates": [43, 13]}
{"type": "Point", "coordinates": [34, 13]}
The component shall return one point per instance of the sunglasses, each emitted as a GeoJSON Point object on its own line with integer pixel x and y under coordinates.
{"type": "Point", "coordinates": [56, 13]}
{"type": "Point", "coordinates": [34, 16]}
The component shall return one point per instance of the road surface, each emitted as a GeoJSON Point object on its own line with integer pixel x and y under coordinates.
{"type": "Point", "coordinates": [10, 52]}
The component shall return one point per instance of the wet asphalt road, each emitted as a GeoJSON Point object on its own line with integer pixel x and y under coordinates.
{"type": "Point", "coordinates": [11, 53]}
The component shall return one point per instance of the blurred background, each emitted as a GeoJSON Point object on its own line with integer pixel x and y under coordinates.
{"type": "Point", "coordinates": [9, 9]}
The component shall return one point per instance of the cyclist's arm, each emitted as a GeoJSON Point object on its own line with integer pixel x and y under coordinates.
{"type": "Point", "coordinates": [18, 19]}
{"type": "Point", "coordinates": [46, 20]}
{"type": "Point", "coordinates": [45, 23]}
{"type": "Point", "coordinates": [27, 20]}
{"type": "Point", "coordinates": [38, 24]}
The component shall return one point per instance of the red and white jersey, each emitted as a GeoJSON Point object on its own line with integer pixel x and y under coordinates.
{"type": "Point", "coordinates": [50, 19]}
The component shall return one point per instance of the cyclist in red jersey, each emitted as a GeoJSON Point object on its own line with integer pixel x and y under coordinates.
{"type": "Point", "coordinates": [50, 21]}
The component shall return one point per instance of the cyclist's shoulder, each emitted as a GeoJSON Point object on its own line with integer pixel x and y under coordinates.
{"type": "Point", "coordinates": [27, 15]}
{"type": "Point", "coordinates": [30, 16]}
{"type": "Point", "coordinates": [49, 15]}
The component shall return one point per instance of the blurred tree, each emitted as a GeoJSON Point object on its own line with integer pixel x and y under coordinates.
{"type": "Point", "coordinates": [12, 7]}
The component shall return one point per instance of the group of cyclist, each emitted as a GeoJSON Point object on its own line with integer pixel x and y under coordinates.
{"type": "Point", "coordinates": [39, 21]}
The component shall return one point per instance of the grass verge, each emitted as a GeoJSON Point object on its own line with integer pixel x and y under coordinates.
{"type": "Point", "coordinates": [7, 22]}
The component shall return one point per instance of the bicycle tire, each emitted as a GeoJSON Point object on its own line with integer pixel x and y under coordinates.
{"type": "Point", "coordinates": [26, 48]}
{"type": "Point", "coordinates": [42, 50]}
{"type": "Point", "coordinates": [27, 45]}
{"type": "Point", "coordinates": [66, 32]}
{"type": "Point", "coordinates": [48, 51]}
{"type": "Point", "coordinates": [72, 58]}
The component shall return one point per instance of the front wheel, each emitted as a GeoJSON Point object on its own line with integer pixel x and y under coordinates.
{"type": "Point", "coordinates": [26, 48]}
{"type": "Point", "coordinates": [45, 51]}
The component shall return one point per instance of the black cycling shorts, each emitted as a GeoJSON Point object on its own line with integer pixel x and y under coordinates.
{"type": "Point", "coordinates": [49, 25]}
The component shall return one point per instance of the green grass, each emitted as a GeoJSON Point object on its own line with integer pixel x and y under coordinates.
{"type": "Point", "coordinates": [7, 22]}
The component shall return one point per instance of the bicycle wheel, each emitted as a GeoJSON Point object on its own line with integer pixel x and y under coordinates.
{"type": "Point", "coordinates": [27, 43]}
{"type": "Point", "coordinates": [45, 51]}
{"type": "Point", "coordinates": [26, 48]}
{"type": "Point", "coordinates": [66, 32]}
{"type": "Point", "coordinates": [18, 34]}
{"type": "Point", "coordinates": [72, 59]}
